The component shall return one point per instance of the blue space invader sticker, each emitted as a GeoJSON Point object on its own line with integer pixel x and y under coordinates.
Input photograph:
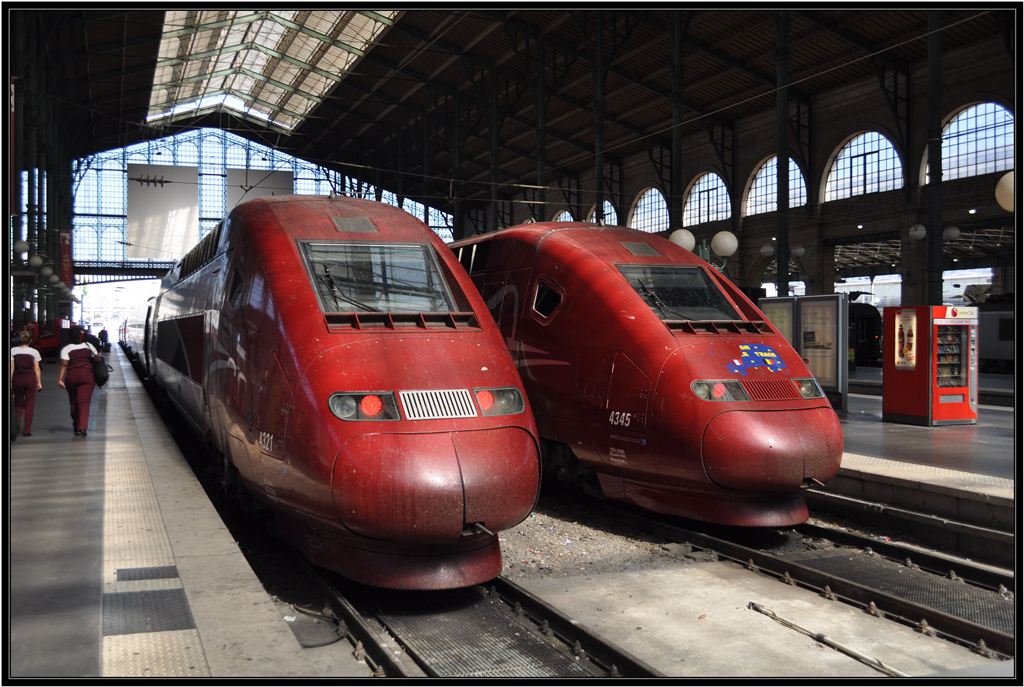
{"type": "Point", "coordinates": [756, 355]}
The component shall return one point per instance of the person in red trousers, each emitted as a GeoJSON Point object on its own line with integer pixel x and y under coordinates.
{"type": "Point", "coordinates": [26, 381]}
{"type": "Point", "coordinates": [77, 378]}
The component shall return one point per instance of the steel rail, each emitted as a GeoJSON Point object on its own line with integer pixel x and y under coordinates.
{"type": "Point", "coordinates": [383, 656]}
{"type": "Point", "coordinates": [967, 632]}
{"type": "Point", "coordinates": [983, 576]}
{"type": "Point", "coordinates": [617, 661]}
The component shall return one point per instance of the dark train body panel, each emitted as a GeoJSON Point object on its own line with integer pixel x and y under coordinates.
{"type": "Point", "coordinates": [609, 370]}
{"type": "Point", "coordinates": [258, 340]}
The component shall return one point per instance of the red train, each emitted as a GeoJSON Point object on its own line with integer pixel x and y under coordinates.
{"type": "Point", "coordinates": [650, 370]}
{"type": "Point", "coordinates": [340, 361]}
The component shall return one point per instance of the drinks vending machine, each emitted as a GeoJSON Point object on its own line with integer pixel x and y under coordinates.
{"type": "Point", "coordinates": [930, 365]}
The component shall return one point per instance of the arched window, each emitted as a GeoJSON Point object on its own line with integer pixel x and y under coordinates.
{"type": "Point", "coordinates": [414, 208]}
{"type": "Point", "coordinates": [707, 201]}
{"type": "Point", "coordinates": [441, 224]}
{"type": "Point", "coordinates": [610, 218]}
{"type": "Point", "coordinates": [563, 216]}
{"type": "Point", "coordinates": [650, 213]}
{"type": "Point", "coordinates": [763, 193]}
{"type": "Point", "coordinates": [978, 140]}
{"type": "Point", "coordinates": [867, 164]}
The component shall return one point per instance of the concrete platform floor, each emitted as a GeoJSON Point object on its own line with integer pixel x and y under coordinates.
{"type": "Point", "coordinates": [693, 622]}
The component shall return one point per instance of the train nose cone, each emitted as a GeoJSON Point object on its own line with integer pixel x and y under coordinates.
{"type": "Point", "coordinates": [428, 487]}
{"type": "Point", "coordinates": [772, 450]}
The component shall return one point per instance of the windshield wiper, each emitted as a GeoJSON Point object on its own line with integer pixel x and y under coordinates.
{"type": "Point", "coordinates": [338, 296]}
{"type": "Point", "coordinates": [658, 302]}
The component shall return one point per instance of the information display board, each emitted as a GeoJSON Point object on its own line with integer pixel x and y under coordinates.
{"type": "Point", "coordinates": [816, 326]}
{"type": "Point", "coordinates": [818, 333]}
{"type": "Point", "coordinates": [780, 311]}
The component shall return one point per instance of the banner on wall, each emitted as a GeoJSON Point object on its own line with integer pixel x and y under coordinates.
{"type": "Point", "coordinates": [67, 272]}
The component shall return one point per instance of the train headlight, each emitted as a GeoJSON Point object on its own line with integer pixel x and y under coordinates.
{"type": "Point", "coordinates": [500, 401]}
{"type": "Point", "coordinates": [364, 405]}
{"type": "Point", "coordinates": [719, 390]}
{"type": "Point", "coordinates": [809, 388]}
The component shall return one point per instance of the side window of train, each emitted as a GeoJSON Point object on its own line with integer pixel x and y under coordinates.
{"type": "Point", "coordinates": [547, 299]}
{"type": "Point", "coordinates": [483, 250]}
{"type": "Point", "coordinates": [235, 288]}
{"type": "Point", "coordinates": [466, 256]}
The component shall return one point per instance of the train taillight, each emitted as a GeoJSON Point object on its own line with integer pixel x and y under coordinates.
{"type": "Point", "coordinates": [719, 390]}
{"type": "Point", "coordinates": [364, 405]}
{"type": "Point", "coordinates": [500, 401]}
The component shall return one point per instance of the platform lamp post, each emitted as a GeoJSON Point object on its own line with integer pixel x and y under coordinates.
{"type": "Point", "coordinates": [723, 244]}
{"type": "Point", "coordinates": [1005, 191]}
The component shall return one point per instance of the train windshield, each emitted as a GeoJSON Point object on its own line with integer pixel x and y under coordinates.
{"type": "Point", "coordinates": [678, 293]}
{"type": "Point", "coordinates": [356, 277]}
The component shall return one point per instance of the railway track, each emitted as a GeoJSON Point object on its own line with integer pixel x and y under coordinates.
{"type": "Point", "coordinates": [969, 540]}
{"type": "Point", "coordinates": [495, 631]}
{"type": "Point", "coordinates": [938, 595]}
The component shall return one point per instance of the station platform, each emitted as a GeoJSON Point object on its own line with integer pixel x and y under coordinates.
{"type": "Point", "coordinates": [119, 566]}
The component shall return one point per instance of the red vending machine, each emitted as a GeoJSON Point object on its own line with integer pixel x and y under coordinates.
{"type": "Point", "coordinates": [930, 365]}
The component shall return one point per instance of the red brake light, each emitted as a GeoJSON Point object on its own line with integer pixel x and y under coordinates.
{"type": "Point", "coordinates": [371, 406]}
{"type": "Point", "coordinates": [485, 399]}
{"type": "Point", "coordinates": [718, 390]}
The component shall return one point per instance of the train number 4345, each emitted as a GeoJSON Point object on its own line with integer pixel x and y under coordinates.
{"type": "Point", "coordinates": [620, 419]}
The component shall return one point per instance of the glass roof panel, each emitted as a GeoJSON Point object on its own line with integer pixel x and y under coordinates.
{"type": "Point", "coordinates": [272, 67]}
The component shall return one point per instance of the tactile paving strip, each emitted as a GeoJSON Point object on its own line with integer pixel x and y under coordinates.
{"type": "Point", "coordinates": [155, 655]}
{"type": "Point", "coordinates": [148, 627]}
{"type": "Point", "coordinates": [479, 641]}
{"type": "Point", "coordinates": [981, 606]}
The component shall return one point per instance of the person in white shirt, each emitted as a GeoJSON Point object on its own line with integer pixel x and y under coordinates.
{"type": "Point", "coordinates": [26, 381]}
{"type": "Point", "coordinates": [77, 378]}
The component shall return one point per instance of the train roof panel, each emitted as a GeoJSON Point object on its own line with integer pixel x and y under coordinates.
{"type": "Point", "coordinates": [340, 217]}
{"type": "Point", "coordinates": [613, 244]}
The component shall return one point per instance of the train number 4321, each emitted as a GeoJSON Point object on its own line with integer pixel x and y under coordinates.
{"type": "Point", "coordinates": [620, 419]}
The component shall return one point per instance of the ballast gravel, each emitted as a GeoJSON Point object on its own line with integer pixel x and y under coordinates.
{"type": "Point", "coordinates": [563, 539]}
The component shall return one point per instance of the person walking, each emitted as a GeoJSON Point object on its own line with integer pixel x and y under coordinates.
{"type": "Point", "coordinates": [26, 381]}
{"type": "Point", "coordinates": [77, 378]}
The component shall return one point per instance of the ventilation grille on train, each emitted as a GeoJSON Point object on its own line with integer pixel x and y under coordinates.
{"type": "Point", "coordinates": [437, 404]}
{"type": "Point", "coordinates": [770, 389]}
{"type": "Point", "coordinates": [719, 326]}
{"type": "Point", "coordinates": [397, 320]}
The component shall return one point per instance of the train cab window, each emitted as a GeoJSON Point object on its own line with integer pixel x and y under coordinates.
{"type": "Point", "coordinates": [547, 299]}
{"type": "Point", "coordinates": [678, 293]}
{"type": "Point", "coordinates": [366, 277]}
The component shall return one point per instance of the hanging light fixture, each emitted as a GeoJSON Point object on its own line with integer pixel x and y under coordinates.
{"type": "Point", "coordinates": [684, 238]}
{"type": "Point", "coordinates": [20, 247]}
{"type": "Point", "coordinates": [951, 233]}
{"type": "Point", "coordinates": [724, 244]}
{"type": "Point", "coordinates": [918, 232]}
{"type": "Point", "coordinates": [46, 271]}
{"type": "Point", "coordinates": [35, 261]}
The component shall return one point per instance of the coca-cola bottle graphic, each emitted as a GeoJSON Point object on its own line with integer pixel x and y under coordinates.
{"type": "Point", "coordinates": [910, 343]}
{"type": "Point", "coordinates": [901, 343]}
